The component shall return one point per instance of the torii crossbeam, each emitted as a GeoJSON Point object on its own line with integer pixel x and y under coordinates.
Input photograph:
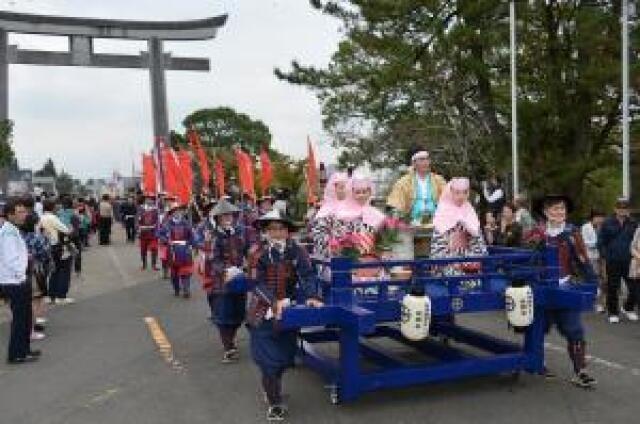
{"type": "Point", "coordinates": [81, 33]}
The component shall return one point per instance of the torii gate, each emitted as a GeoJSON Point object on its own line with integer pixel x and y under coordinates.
{"type": "Point", "coordinates": [82, 31]}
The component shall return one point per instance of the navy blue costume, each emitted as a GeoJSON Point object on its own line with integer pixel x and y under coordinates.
{"type": "Point", "coordinates": [229, 248]}
{"type": "Point", "coordinates": [574, 263]}
{"type": "Point", "coordinates": [278, 273]}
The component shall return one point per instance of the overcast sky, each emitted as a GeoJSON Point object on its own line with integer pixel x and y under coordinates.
{"type": "Point", "coordinates": [94, 121]}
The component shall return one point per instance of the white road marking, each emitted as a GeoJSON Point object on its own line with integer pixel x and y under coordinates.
{"type": "Point", "coordinates": [599, 361]}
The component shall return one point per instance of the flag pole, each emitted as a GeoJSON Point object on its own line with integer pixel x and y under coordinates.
{"type": "Point", "coordinates": [626, 186]}
{"type": "Point", "coordinates": [514, 98]}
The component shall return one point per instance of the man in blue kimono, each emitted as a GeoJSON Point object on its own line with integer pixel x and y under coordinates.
{"type": "Point", "coordinates": [281, 269]}
{"type": "Point", "coordinates": [574, 268]}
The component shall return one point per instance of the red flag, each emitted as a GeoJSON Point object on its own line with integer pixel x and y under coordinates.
{"type": "Point", "coordinates": [185, 185]}
{"type": "Point", "coordinates": [148, 175]}
{"type": "Point", "coordinates": [171, 170]}
{"type": "Point", "coordinates": [245, 173]}
{"type": "Point", "coordinates": [196, 146]}
{"type": "Point", "coordinates": [312, 174]}
{"type": "Point", "coordinates": [267, 171]}
{"type": "Point", "coordinates": [220, 179]}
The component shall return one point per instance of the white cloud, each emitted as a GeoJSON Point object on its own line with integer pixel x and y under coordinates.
{"type": "Point", "coordinates": [90, 121]}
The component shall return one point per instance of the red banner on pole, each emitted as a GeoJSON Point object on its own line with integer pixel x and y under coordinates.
{"type": "Point", "coordinates": [185, 185]}
{"type": "Point", "coordinates": [149, 180]}
{"type": "Point", "coordinates": [171, 169]}
{"type": "Point", "coordinates": [220, 178]}
{"type": "Point", "coordinates": [245, 173]}
{"type": "Point", "coordinates": [266, 171]}
{"type": "Point", "coordinates": [199, 152]}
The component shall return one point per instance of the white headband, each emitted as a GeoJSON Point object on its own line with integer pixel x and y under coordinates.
{"type": "Point", "coordinates": [423, 154]}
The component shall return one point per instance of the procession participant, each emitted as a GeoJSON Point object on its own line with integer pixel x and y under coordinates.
{"type": "Point", "coordinates": [14, 259]}
{"type": "Point", "coordinates": [416, 193]}
{"type": "Point", "coordinates": [574, 263]}
{"type": "Point", "coordinates": [129, 212]}
{"type": "Point", "coordinates": [163, 218]}
{"type": "Point", "coordinates": [148, 221]}
{"type": "Point", "coordinates": [178, 234]}
{"type": "Point", "coordinates": [203, 242]}
{"type": "Point", "coordinates": [282, 268]}
{"type": "Point", "coordinates": [333, 217]}
{"type": "Point", "coordinates": [456, 225]}
{"type": "Point", "coordinates": [249, 211]}
{"type": "Point", "coordinates": [224, 262]}
{"type": "Point", "coordinates": [365, 219]}
{"type": "Point", "coordinates": [265, 205]}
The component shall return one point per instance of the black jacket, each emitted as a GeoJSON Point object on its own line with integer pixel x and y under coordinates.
{"type": "Point", "coordinates": [614, 239]}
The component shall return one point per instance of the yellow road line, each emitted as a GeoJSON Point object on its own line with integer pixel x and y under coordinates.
{"type": "Point", "coordinates": [162, 342]}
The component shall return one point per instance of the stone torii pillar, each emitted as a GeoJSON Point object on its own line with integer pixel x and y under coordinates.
{"type": "Point", "coordinates": [82, 31]}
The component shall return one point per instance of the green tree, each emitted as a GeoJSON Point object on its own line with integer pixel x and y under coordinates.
{"type": "Point", "coordinates": [65, 183]}
{"type": "Point", "coordinates": [7, 156]}
{"type": "Point", "coordinates": [47, 170]}
{"type": "Point", "coordinates": [436, 73]}
{"type": "Point", "coordinates": [221, 128]}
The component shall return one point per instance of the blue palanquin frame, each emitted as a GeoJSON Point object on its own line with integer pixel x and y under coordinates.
{"type": "Point", "coordinates": [351, 316]}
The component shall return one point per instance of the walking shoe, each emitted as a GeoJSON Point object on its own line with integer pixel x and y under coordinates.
{"type": "Point", "coordinates": [41, 320]}
{"type": "Point", "coordinates": [34, 353]}
{"type": "Point", "coordinates": [277, 413]}
{"type": "Point", "coordinates": [631, 315]}
{"type": "Point", "coordinates": [68, 301]}
{"type": "Point", "coordinates": [614, 319]}
{"type": "Point", "coordinates": [17, 361]}
{"type": "Point", "coordinates": [37, 336]}
{"type": "Point", "coordinates": [186, 295]}
{"type": "Point", "coordinates": [230, 356]}
{"type": "Point", "coordinates": [38, 328]}
{"type": "Point", "coordinates": [584, 380]}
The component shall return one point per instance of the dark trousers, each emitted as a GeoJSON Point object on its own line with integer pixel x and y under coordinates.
{"type": "Point", "coordinates": [77, 259]}
{"type": "Point", "coordinates": [20, 302]}
{"type": "Point", "coordinates": [633, 301]}
{"type": "Point", "coordinates": [60, 280]}
{"type": "Point", "coordinates": [104, 226]}
{"type": "Point", "coordinates": [84, 237]}
{"type": "Point", "coordinates": [130, 227]}
{"type": "Point", "coordinates": [617, 270]}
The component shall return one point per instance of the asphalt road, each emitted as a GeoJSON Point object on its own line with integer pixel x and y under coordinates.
{"type": "Point", "coordinates": [129, 351]}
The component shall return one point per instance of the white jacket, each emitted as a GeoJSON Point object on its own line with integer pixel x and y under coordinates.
{"type": "Point", "coordinates": [13, 255]}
